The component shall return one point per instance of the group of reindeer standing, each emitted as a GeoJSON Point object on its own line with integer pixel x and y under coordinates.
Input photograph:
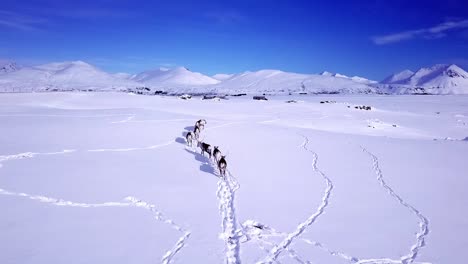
{"type": "Point", "coordinates": [214, 153]}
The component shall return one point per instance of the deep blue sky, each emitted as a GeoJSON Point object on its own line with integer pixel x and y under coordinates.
{"type": "Point", "coordinates": [369, 38]}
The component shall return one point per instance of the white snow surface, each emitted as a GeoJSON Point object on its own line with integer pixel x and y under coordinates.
{"type": "Point", "coordinates": [108, 178]}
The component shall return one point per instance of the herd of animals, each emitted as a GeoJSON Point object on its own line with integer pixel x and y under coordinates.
{"type": "Point", "coordinates": [214, 152]}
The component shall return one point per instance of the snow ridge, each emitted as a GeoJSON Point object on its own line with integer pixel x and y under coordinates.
{"type": "Point", "coordinates": [423, 222]}
{"type": "Point", "coordinates": [276, 251]}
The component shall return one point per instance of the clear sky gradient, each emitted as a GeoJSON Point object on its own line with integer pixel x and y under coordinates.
{"type": "Point", "coordinates": [366, 38]}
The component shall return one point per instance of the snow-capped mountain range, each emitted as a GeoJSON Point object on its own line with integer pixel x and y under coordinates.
{"type": "Point", "coordinates": [79, 75]}
{"type": "Point", "coordinates": [167, 78]}
{"type": "Point", "coordinates": [438, 79]}
{"type": "Point", "coordinates": [63, 76]}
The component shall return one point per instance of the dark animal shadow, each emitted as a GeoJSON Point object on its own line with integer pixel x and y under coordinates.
{"type": "Point", "coordinates": [180, 140]}
{"type": "Point", "coordinates": [205, 166]}
{"type": "Point", "coordinates": [208, 169]}
{"type": "Point", "coordinates": [190, 128]}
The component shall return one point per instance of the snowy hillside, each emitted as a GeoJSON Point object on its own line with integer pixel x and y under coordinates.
{"type": "Point", "coordinates": [63, 76]}
{"type": "Point", "coordinates": [398, 78]}
{"type": "Point", "coordinates": [222, 76]}
{"type": "Point", "coordinates": [171, 78]}
{"type": "Point", "coordinates": [354, 78]}
{"type": "Point", "coordinates": [279, 82]}
{"type": "Point", "coordinates": [108, 178]}
{"type": "Point", "coordinates": [438, 79]}
{"type": "Point", "coordinates": [78, 75]}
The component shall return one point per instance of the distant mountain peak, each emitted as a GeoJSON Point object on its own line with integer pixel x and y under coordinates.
{"type": "Point", "coordinates": [326, 73]}
{"type": "Point", "coordinates": [8, 66]}
{"type": "Point", "coordinates": [437, 79]}
{"type": "Point", "coordinates": [331, 74]}
{"type": "Point", "coordinates": [398, 77]}
{"type": "Point", "coordinates": [453, 71]}
{"type": "Point", "coordinates": [178, 76]}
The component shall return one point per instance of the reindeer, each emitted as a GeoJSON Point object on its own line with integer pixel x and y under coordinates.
{"type": "Point", "coordinates": [200, 124]}
{"type": "Point", "coordinates": [196, 132]}
{"type": "Point", "coordinates": [205, 148]}
{"type": "Point", "coordinates": [222, 166]}
{"type": "Point", "coordinates": [189, 138]}
{"type": "Point", "coordinates": [216, 153]}
{"type": "Point", "coordinates": [202, 121]}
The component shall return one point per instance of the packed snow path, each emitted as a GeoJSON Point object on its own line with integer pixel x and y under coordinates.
{"type": "Point", "coordinates": [227, 186]}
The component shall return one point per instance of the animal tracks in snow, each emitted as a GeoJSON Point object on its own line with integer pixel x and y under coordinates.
{"type": "Point", "coordinates": [233, 233]}
{"type": "Point", "coordinates": [225, 193]}
{"type": "Point", "coordinates": [423, 222]}
{"type": "Point", "coordinates": [129, 201]}
{"type": "Point", "coordinates": [27, 155]}
{"type": "Point", "coordinates": [133, 149]}
{"type": "Point", "coordinates": [276, 251]}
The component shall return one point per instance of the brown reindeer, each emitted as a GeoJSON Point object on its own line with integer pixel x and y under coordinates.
{"type": "Point", "coordinates": [189, 138]}
{"type": "Point", "coordinates": [222, 166]}
{"type": "Point", "coordinates": [216, 153]}
{"type": "Point", "coordinates": [205, 148]}
{"type": "Point", "coordinates": [196, 133]}
{"type": "Point", "coordinates": [200, 124]}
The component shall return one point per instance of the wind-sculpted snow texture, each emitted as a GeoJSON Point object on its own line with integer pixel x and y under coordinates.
{"type": "Point", "coordinates": [306, 182]}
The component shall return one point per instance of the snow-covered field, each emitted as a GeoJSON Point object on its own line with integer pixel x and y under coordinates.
{"type": "Point", "coordinates": [107, 178]}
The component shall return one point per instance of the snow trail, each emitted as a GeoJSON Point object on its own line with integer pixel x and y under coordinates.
{"type": "Point", "coordinates": [160, 217]}
{"type": "Point", "coordinates": [133, 149]}
{"type": "Point", "coordinates": [226, 196]}
{"type": "Point", "coordinates": [261, 232]}
{"type": "Point", "coordinates": [27, 155]}
{"type": "Point", "coordinates": [229, 222]}
{"type": "Point", "coordinates": [276, 251]}
{"type": "Point", "coordinates": [257, 231]}
{"type": "Point", "coordinates": [423, 222]}
{"type": "Point", "coordinates": [128, 119]}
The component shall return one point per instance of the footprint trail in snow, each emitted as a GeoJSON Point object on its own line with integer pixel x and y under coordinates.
{"type": "Point", "coordinates": [276, 251]}
{"type": "Point", "coordinates": [423, 222]}
{"type": "Point", "coordinates": [127, 202]}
